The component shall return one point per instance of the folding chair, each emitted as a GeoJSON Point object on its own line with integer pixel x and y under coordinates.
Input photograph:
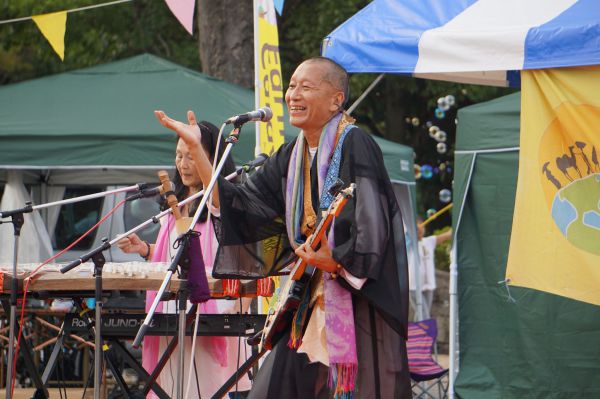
{"type": "Point", "coordinates": [425, 372]}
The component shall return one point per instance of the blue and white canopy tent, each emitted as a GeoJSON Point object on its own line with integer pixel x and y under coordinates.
{"type": "Point", "coordinates": [469, 41]}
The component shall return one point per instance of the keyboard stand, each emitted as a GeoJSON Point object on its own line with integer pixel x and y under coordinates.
{"type": "Point", "coordinates": [26, 351]}
{"type": "Point", "coordinates": [113, 347]}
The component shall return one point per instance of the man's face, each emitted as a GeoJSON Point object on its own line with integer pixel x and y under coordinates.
{"type": "Point", "coordinates": [311, 100]}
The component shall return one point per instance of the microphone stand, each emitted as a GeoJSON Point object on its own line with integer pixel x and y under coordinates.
{"type": "Point", "coordinates": [231, 141]}
{"type": "Point", "coordinates": [17, 219]}
{"type": "Point", "coordinates": [98, 259]}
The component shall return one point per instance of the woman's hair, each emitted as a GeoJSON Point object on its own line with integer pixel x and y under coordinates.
{"type": "Point", "coordinates": [209, 135]}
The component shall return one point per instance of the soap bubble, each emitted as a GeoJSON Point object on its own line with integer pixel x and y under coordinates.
{"type": "Point", "coordinates": [443, 104]}
{"type": "Point", "coordinates": [439, 113]}
{"type": "Point", "coordinates": [445, 195]}
{"type": "Point", "coordinates": [450, 100]}
{"type": "Point", "coordinates": [441, 148]}
{"type": "Point", "coordinates": [430, 212]}
{"type": "Point", "coordinates": [426, 171]}
{"type": "Point", "coordinates": [415, 121]}
{"type": "Point", "coordinates": [441, 136]}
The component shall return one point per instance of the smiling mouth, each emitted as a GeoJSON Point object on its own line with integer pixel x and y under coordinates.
{"type": "Point", "coordinates": [297, 109]}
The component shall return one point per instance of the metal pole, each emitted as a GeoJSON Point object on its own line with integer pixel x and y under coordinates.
{"type": "Point", "coordinates": [365, 93]}
{"type": "Point", "coordinates": [453, 328]}
{"type": "Point", "coordinates": [98, 350]}
{"type": "Point", "coordinates": [181, 343]}
{"type": "Point", "coordinates": [13, 317]}
{"type": "Point", "coordinates": [86, 197]}
{"type": "Point", "coordinates": [257, 148]}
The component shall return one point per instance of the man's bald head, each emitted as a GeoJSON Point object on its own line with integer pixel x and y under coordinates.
{"type": "Point", "coordinates": [334, 74]}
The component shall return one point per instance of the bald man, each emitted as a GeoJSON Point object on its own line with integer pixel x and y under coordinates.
{"type": "Point", "coordinates": [350, 336]}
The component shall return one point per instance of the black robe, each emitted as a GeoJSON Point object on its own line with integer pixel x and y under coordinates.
{"type": "Point", "coordinates": [369, 243]}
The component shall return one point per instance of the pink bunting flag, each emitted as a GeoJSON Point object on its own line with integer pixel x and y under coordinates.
{"type": "Point", "coordinates": [184, 11]}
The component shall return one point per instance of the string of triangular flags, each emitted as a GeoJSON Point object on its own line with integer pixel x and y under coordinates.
{"type": "Point", "coordinates": [53, 25]}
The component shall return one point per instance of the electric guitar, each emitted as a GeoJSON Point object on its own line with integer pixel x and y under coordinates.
{"type": "Point", "coordinates": [280, 317]}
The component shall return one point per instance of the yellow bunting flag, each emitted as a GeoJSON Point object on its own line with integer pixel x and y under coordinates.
{"type": "Point", "coordinates": [53, 28]}
{"type": "Point", "coordinates": [555, 240]}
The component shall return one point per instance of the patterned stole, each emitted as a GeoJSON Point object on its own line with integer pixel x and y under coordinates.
{"type": "Point", "coordinates": [339, 314]}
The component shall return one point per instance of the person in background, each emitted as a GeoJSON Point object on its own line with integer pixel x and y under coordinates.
{"type": "Point", "coordinates": [426, 266]}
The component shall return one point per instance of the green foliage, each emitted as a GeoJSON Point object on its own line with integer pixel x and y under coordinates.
{"type": "Point", "coordinates": [383, 112]}
{"type": "Point", "coordinates": [105, 34]}
{"type": "Point", "coordinates": [305, 24]}
{"type": "Point", "coordinates": [442, 251]}
{"type": "Point", "coordinates": [92, 37]}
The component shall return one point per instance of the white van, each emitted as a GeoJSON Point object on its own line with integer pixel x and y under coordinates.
{"type": "Point", "coordinates": [75, 219]}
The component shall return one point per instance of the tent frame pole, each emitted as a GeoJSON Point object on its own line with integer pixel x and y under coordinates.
{"type": "Point", "coordinates": [364, 94]}
{"type": "Point", "coordinates": [453, 327]}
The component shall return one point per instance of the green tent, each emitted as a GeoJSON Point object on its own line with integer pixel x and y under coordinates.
{"type": "Point", "coordinates": [99, 123]}
{"type": "Point", "coordinates": [101, 119]}
{"type": "Point", "coordinates": [514, 342]}
{"type": "Point", "coordinates": [95, 127]}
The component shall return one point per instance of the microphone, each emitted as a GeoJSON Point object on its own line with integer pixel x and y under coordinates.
{"type": "Point", "coordinates": [263, 114]}
{"type": "Point", "coordinates": [145, 192]}
{"type": "Point", "coordinates": [255, 163]}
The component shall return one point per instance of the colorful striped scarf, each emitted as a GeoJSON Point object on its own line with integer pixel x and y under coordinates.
{"type": "Point", "coordinates": [339, 315]}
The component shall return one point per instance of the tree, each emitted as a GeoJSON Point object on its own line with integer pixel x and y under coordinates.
{"type": "Point", "coordinates": [227, 40]}
{"type": "Point", "coordinates": [222, 46]}
{"type": "Point", "coordinates": [391, 108]}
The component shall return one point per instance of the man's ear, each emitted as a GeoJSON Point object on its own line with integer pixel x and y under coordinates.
{"type": "Point", "coordinates": [338, 100]}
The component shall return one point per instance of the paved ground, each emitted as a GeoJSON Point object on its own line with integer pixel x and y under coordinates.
{"type": "Point", "coordinates": [27, 393]}
{"type": "Point", "coordinates": [76, 393]}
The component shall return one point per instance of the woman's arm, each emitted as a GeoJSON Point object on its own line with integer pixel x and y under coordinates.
{"type": "Point", "coordinates": [190, 134]}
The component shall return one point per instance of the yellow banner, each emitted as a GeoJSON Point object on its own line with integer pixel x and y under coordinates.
{"type": "Point", "coordinates": [555, 240]}
{"type": "Point", "coordinates": [270, 82]}
{"type": "Point", "coordinates": [269, 93]}
{"type": "Point", "coordinates": [53, 28]}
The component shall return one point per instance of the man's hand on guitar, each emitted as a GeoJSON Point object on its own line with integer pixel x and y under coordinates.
{"type": "Point", "coordinates": [321, 258]}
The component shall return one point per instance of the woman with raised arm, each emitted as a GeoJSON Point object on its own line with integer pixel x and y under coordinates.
{"type": "Point", "coordinates": [215, 358]}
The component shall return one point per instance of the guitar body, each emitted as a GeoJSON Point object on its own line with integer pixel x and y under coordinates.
{"type": "Point", "coordinates": [280, 318]}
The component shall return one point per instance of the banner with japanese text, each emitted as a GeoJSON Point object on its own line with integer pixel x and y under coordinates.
{"type": "Point", "coordinates": [268, 91]}
{"type": "Point", "coordinates": [269, 82]}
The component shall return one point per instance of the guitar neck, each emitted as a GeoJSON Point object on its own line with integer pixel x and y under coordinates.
{"type": "Point", "coordinates": [321, 229]}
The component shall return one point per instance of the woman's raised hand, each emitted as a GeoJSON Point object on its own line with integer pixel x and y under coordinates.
{"type": "Point", "coordinates": [189, 133]}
